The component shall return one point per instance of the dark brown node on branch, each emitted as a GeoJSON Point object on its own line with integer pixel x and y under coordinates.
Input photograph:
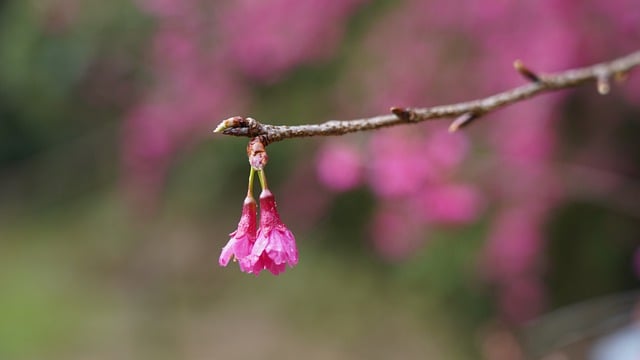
{"type": "Point", "coordinates": [404, 114]}
{"type": "Point", "coordinates": [463, 121]}
{"type": "Point", "coordinates": [525, 71]}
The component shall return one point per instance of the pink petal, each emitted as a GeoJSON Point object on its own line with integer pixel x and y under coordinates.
{"type": "Point", "coordinates": [276, 269]}
{"type": "Point", "coordinates": [227, 252]}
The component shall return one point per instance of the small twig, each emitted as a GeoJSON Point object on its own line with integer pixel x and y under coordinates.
{"type": "Point", "coordinates": [465, 111]}
{"type": "Point", "coordinates": [462, 121]}
{"type": "Point", "coordinates": [525, 71]}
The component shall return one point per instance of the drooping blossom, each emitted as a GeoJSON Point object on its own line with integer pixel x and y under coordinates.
{"type": "Point", "coordinates": [242, 240]}
{"type": "Point", "coordinates": [275, 246]}
{"type": "Point", "coordinates": [272, 246]}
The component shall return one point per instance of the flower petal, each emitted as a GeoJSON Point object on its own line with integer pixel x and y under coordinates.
{"type": "Point", "coordinates": [276, 269]}
{"type": "Point", "coordinates": [227, 252]}
{"type": "Point", "coordinates": [261, 243]}
{"type": "Point", "coordinates": [290, 248]}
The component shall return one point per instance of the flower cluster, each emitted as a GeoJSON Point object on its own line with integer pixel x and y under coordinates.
{"type": "Point", "coordinates": [271, 246]}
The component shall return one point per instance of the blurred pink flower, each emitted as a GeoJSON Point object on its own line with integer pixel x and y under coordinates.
{"type": "Point", "coordinates": [514, 244]}
{"type": "Point", "coordinates": [525, 133]}
{"type": "Point", "coordinates": [174, 51]}
{"type": "Point", "coordinates": [146, 151]}
{"type": "Point", "coordinates": [275, 246]}
{"type": "Point", "coordinates": [304, 208]}
{"type": "Point", "coordinates": [451, 204]}
{"type": "Point", "coordinates": [446, 150]}
{"type": "Point", "coordinates": [339, 166]}
{"type": "Point", "coordinates": [242, 240]}
{"type": "Point", "coordinates": [266, 39]}
{"type": "Point", "coordinates": [397, 164]}
{"type": "Point", "coordinates": [395, 237]}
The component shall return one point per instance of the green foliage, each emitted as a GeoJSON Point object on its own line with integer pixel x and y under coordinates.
{"type": "Point", "coordinates": [45, 66]}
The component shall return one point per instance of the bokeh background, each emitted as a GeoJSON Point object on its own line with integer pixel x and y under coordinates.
{"type": "Point", "coordinates": [116, 198]}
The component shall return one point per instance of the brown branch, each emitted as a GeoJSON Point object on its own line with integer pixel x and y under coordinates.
{"type": "Point", "coordinates": [465, 112]}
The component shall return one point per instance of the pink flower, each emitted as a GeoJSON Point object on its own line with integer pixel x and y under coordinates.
{"type": "Point", "coordinates": [397, 164]}
{"type": "Point", "coordinates": [450, 204]}
{"type": "Point", "coordinates": [339, 166]}
{"type": "Point", "coordinates": [396, 235]}
{"type": "Point", "coordinates": [275, 246]}
{"type": "Point", "coordinates": [514, 244]}
{"type": "Point", "coordinates": [239, 246]}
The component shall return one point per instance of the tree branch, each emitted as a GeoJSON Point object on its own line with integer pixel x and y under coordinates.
{"type": "Point", "coordinates": [465, 112]}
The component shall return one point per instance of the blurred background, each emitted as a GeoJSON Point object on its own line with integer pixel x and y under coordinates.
{"type": "Point", "coordinates": [517, 238]}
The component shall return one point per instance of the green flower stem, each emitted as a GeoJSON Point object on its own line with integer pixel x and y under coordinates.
{"type": "Point", "coordinates": [263, 179]}
{"type": "Point", "coordinates": [252, 172]}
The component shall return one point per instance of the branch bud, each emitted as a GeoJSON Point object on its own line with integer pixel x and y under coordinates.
{"type": "Point", "coordinates": [525, 71]}
{"type": "Point", "coordinates": [257, 154]}
{"type": "Point", "coordinates": [603, 84]}
{"type": "Point", "coordinates": [462, 121]}
{"type": "Point", "coordinates": [232, 122]}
